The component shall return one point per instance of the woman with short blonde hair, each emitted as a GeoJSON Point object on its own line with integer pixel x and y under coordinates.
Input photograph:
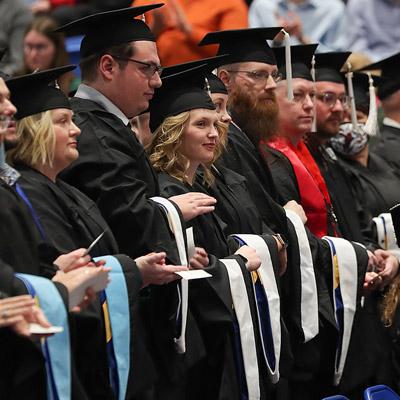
{"type": "Point", "coordinates": [36, 140]}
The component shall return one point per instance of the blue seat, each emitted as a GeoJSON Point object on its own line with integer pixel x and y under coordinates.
{"type": "Point", "coordinates": [336, 397]}
{"type": "Point", "coordinates": [380, 392]}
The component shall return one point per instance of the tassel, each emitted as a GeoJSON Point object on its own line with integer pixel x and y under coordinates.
{"type": "Point", "coordinates": [371, 126]}
{"type": "Point", "coordinates": [207, 85]}
{"type": "Point", "coordinates": [288, 60]}
{"type": "Point", "coordinates": [350, 89]}
{"type": "Point", "coordinates": [314, 122]}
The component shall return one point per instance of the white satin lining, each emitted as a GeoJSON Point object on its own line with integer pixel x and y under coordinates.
{"type": "Point", "coordinates": [309, 293]}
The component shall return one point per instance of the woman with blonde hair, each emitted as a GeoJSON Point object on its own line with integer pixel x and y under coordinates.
{"type": "Point", "coordinates": [188, 137]}
{"type": "Point", "coordinates": [66, 219]}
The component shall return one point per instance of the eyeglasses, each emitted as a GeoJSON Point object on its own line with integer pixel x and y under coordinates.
{"type": "Point", "coordinates": [149, 68]}
{"type": "Point", "coordinates": [38, 47]}
{"type": "Point", "coordinates": [330, 99]}
{"type": "Point", "coordinates": [261, 76]}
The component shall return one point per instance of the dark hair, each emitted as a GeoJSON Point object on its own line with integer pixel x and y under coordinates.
{"type": "Point", "coordinates": [46, 26]}
{"type": "Point", "coordinates": [90, 64]}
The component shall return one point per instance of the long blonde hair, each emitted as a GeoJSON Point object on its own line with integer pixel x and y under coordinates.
{"type": "Point", "coordinates": [164, 148]}
{"type": "Point", "coordinates": [391, 301]}
{"type": "Point", "coordinates": [35, 140]}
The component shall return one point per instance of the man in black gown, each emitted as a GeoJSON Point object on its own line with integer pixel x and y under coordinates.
{"type": "Point", "coordinates": [250, 76]}
{"type": "Point", "coordinates": [120, 71]}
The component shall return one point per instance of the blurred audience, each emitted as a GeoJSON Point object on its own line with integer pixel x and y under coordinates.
{"type": "Point", "coordinates": [307, 21]}
{"type": "Point", "coordinates": [14, 17]}
{"type": "Point", "coordinates": [372, 27]}
{"type": "Point", "coordinates": [45, 49]}
{"type": "Point", "coordinates": [64, 11]}
{"type": "Point", "coordinates": [181, 24]}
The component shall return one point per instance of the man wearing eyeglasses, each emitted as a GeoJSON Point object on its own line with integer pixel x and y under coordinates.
{"type": "Point", "coordinates": [331, 104]}
{"type": "Point", "coordinates": [120, 71]}
{"type": "Point", "coordinates": [250, 78]}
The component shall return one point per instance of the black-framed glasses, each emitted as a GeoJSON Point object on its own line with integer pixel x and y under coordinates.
{"type": "Point", "coordinates": [330, 99]}
{"type": "Point", "coordinates": [261, 76]}
{"type": "Point", "coordinates": [150, 68]}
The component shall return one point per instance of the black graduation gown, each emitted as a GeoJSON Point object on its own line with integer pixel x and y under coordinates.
{"type": "Point", "coordinates": [71, 220]}
{"type": "Point", "coordinates": [389, 145]}
{"type": "Point", "coordinates": [22, 370]}
{"type": "Point", "coordinates": [377, 184]}
{"type": "Point", "coordinates": [211, 304]}
{"type": "Point", "coordinates": [22, 365]}
{"type": "Point", "coordinates": [361, 352]}
{"type": "Point", "coordinates": [354, 221]}
{"type": "Point", "coordinates": [19, 238]}
{"type": "Point", "coordinates": [243, 157]}
{"type": "Point", "coordinates": [234, 204]}
{"type": "Point", "coordinates": [114, 171]}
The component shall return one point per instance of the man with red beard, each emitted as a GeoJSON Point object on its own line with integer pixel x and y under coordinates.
{"type": "Point", "coordinates": [251, 78]}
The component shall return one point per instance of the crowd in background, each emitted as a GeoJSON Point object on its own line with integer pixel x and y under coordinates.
{"type": "Point", "coordinates": [367, 27]}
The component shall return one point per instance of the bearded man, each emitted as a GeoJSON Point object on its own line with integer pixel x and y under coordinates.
{"type": "Point", "coordinates": [250, 78]}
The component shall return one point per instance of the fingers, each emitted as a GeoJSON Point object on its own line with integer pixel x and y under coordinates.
{"type": "Point", "coordinates": [10, 321]}
{"type": "Point", "coordinates": [196, 264]}
{"type": "Point", "coordinates": [17, 301]}
{"type": "Point", "coordinates": [40, 318]}
{"type": "Point", "coordinates": [205, 210]}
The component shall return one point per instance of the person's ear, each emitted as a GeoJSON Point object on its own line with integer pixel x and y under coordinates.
{"type": "Point", "coordinates": [107, 66]}
{"type": "Point", "coordinates": [225, 77]}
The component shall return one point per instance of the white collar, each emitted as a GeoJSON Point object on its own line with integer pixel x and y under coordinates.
{"type": "Point", "coordinates": [391, 122]}
{"type": "Point", "coordinates": [89, 93]}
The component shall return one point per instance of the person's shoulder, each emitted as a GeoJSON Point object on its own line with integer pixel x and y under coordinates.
{"type": "Point", "coordinates": [171, 186]}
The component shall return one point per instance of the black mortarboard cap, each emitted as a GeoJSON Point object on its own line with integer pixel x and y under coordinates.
{"type": "Point", "coordinates": [361, 90]}
{"type": "Point", "coordinates": [328, 66]}
{"type": "Point", "coordinates": [390, 72]}
{"type": "Point", "coordinates": [244, 44]}
{"type": "Point", "coordinates": [301, 57]}
{"type": "Point", "coordinates": [215, 85]}
{"type": "Point", "coordinates": [110, 28]}
{"type": "Point", "coordinates": [183, 91]}
{"type": "Point", "coordinates": [32, 93]}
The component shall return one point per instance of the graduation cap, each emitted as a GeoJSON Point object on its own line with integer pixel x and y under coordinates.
{"type": "Point", "coordinates": [328, 66]}
{"type": "Point", "coordinates": [301, 56]}
{"type": "Point", "coordinates": [361, 86]}
{"type": "Point", "coordinates": [213, 83]}
{"type": "Point", "coordinates": [180, 92]}
{"type": "Point", "coordinates": [32, 93]}
{"type": "Point", "coordinates": [110, 28]}
{"type": "Point", "coordinates": [244, 44]}
{"type": "Point", "coordinates": [390, 81]}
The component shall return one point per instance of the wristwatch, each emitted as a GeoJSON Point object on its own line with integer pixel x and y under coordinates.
{"type": "Point", "coordinates": [282, 240]}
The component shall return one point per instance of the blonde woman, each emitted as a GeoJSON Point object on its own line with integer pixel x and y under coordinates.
{"type": "Point", "coordinates": [66, 219]}
{"type": "Point", "coordinates": [187, 137]}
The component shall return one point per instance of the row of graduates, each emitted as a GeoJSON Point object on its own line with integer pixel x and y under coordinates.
{"type": "Point", "coordinates": [297, 328]}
